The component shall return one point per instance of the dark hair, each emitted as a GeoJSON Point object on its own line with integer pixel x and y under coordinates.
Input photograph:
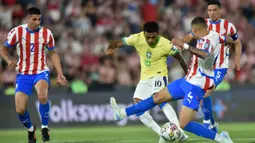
{"type": "Point", "coordinates": [214, 2]}
{"type": "Point", "coordinates": [199, 21]}
{"type": "Point", "coordinates": [33, 10]}
{"type": "Point", "coordinates": [151, 27]}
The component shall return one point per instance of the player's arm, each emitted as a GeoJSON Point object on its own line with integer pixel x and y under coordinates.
{"type": "Point", "coordinates": [198, 52]}
{"type": "Point", "coordinates": [61, 80]}
{"type": "Point", "coordinates": [188, 38]}
{"type": "Point", "coordinates": [178, 56]}
{"type": "Point", "coordinates": [130, 41]}
{"type": "Point", "coordinates": [113, 45]}
{"type": "Point", "coordinates": [9, 43]}
{"type": "Point", "coordinates": [56, 61]}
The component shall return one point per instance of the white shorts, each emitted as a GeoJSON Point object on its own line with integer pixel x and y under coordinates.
{"type": "Point", "coordinates": [145, 88]}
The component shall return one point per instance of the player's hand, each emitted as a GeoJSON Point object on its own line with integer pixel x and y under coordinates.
{"type": "Point", "coordinates": [178, 43]}
{"type": "Point", "coordinates": [237, 64]}
{"type": "Point", "coordinates": [61, 80]}
{"type": "Point", "coordinates": [110, 51]}
{"type": "Point", "coordinates": [11, 64]}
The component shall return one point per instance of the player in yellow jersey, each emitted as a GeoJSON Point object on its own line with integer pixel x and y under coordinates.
{"type": "Point", "coordinates": [153, 50]}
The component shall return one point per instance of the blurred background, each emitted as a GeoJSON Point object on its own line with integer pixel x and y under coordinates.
{"type": "Point", "coordinates": [82, 31]}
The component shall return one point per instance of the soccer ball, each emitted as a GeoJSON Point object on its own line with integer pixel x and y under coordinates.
{"type": "Point", "coordinates": [170, 132]}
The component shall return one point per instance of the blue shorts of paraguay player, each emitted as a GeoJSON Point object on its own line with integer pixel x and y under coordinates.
{"type": "Point", "coordinates": [25, 83]}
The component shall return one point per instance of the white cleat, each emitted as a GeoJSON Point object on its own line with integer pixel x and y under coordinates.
{"type": "Point", "coordinates": [116, 109]}
{"type": "Point", "coordinates": [183, 138]}
{"type": "Point", "coordinates": [161, 140]}
{"type": "Point", "coordinates": [226, 137]}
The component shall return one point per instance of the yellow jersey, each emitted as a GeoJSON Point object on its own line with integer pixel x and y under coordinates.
{"type": "Point", "coordinates": [153, 60]}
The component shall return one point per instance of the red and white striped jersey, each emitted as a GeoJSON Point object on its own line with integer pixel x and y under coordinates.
{"type": "Point", "coordinates": [197, 74]}
{"type": "Point", "coordinates": [225, 28]}
{"type": "Point", "coordinates": [31, 48]}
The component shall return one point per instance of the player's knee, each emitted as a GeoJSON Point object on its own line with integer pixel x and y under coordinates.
{"type": "Point", "coordinates": [158, 98]}
{"type": "Point", "coordinates": [42, 97]}
{"type": "Point", "coordinates": [20, 110]}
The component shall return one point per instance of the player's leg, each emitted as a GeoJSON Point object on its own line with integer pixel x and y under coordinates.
{"type": "Point", "coordinates": [143, 91]}
{"type": "Point", "coordinates": [191, 104]}
{"type": "Point", "coordinates": [24, 86]}
{"type": "Point", "coordinates": [207, 102]}
{"type": "Point", "coordinates": [144, 105]}
{"type": "Point", "coordinates": [166, 107]}
{"type": "Point", "coordinates": [41, 86]}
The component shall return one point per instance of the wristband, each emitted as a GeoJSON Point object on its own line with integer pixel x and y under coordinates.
{"type": "Point", "coordinates": [185, 46]}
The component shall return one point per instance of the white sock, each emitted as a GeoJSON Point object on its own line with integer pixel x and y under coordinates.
{"type": "Point", "coordinates": [43, 126]}
{"type": "Point", "coordinates": [218, 138]}
{"type": "Point", "coordinates": [147, 120]}
{"type": "Point", "coordinates": [31, 129]}
{"type": "Point", "coordinates": [171, 115]}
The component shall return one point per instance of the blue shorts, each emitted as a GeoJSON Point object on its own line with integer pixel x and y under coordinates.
{"type": "Point", "coordinates": [25, 83]}
{"type": "Point", "coordinates": [181, 89]}
{"type": "Point", "coordinates": [219, 75]}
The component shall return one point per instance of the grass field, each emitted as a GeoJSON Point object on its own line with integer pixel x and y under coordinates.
{"type": "Point", "coordinates": [240, 133]}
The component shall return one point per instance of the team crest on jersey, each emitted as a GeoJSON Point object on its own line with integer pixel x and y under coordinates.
{"type": "Point", "coordinates": [41, 40]}
{"type": "Point", "coordinates": [148, 54]}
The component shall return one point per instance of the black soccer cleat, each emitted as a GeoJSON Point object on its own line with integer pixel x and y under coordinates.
{"type": "Point", "coordinates": [45, 134]}
{"type": "Point", "coordinates": [32, 136]}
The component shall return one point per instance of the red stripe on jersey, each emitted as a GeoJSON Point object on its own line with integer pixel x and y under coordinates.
{"type": "Point", "coordinates": [45, 34]}
{"type": "Point", "coordinates": [207, 83]}
{"type": "Point", "coordinates": [13, 40]}
{"type": "Point", "coordinates": [51, 42]}
{"type": "Point", "coordinates": [210, 27]}
{"type": "Point", "coordinates": [194, 72]}
{"type": "Point", "coordinates": [36, 53]}
{"type": "Point", "coordinates": [21, 48]}
{"type": "Point", "coordinates": [222, 45]}
{"type": "Point", "coordinates": [231, 31]}
{"type": "Point", "coordinates": [218, 27]}
{"type": "Point", "coordinates": [28, 42]}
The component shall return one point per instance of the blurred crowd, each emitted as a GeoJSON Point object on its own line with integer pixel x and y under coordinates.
{"type": "Point", "coordinates": [83, 29]}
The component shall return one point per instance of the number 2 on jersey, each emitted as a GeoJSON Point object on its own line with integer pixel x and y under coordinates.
{"type": "Point", "coordinates": [32, 47]}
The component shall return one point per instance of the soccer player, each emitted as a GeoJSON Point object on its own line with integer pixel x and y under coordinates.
{"type": "Point", "coordinates": [31, 41]}
{"type": "Point", "coordinates": [153, 50]}
{"type": "Point", "coordinates": [225, 28]}
{"type": "Point", "coordinates": [192, 88]}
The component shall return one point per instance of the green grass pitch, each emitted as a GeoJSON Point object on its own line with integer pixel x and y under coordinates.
{"type": "Point", "coordinates": [239, 132]}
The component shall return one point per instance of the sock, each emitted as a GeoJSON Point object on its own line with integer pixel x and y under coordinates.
{"type": "Point", "coordinates": [147, 120]}
{"type": "Point", "coordinates": [207, 109]}
{"type": "Point", "coordinates": [43, 126]}
{"type": "Point", "coordinates": [31, 129]}
{"type": "Point", "coordinates": [170, 114]}
{"type": "Point", "coordinates": [200, 130]}
{"type": "Point", "coordinates": [25, 119]}
{"type": "Point", "coordinates": [44, 112]}
{"type": "Point", "coordinates": [141, 106]}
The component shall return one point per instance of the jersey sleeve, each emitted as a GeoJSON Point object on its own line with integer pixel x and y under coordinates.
{"type": "Point", "coordinates": [233, 32]}
{"type": "Point", "coordinates": [131, 40]}
{"type": "Point", "coordinates": [11, 38]}
{"type": "Point", "coordinates": [170, 48]}
{"type": "Point", "coordinates": [51, 43]}
{"type": "Point", "coordinates": [206, 46]}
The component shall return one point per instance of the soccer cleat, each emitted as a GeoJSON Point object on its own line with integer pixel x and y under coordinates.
{"type": "Point", "coordinates": [45, 134]}
{"type": "Point", "coordinates": [226, 137]}
{"type": "Point", "coordinates": [214, 127]}
{"type": "Point", "coordinates": [209, 125]}
{"type": "Point", "coordinates": [116, 110]}
{"type": "Point", "coordinates": [183, 138]}
{"type": "Point", "coordinates": [161, 140]}
{"type": "Point", "coordinates": [32, 136]}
